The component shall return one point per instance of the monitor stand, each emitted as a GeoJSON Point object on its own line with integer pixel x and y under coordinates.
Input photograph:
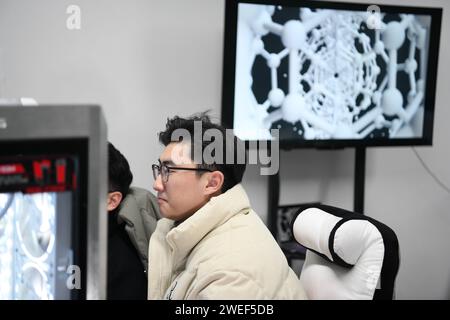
{"type": "Point", "coordinates": [358, 191]}
{"type": "Point", "coordinates": [360, 178]}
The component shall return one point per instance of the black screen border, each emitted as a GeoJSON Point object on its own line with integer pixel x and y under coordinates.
{"type": "Point", "coordinates": [229, 64]}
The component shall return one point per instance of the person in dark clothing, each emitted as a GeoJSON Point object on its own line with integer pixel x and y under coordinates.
{"type": "Point", "coordinates": [132, 217]}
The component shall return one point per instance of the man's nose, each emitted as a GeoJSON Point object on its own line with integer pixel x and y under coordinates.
{"type": "Point", "coordinates": [158, 185]}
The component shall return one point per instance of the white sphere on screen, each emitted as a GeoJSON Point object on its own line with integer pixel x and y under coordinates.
{"type": "Point", "coordinates": [258, 45]}
{"type": "Point", "coordinates": [276, 97]}
{"type": "Point", "coordinates": [273, 61]}
{"type": "Point", "coordinates": [294, 35]}
{"type": "Point", "coordinates": [293, 107]}
{"type": "Point", "coordinates": [410, 65]}
{"type": "Point", "coordinates": [257, 25]}
{"type": "Point", "coordinates": [376, 70]}
{"type": "Point", "coordinates": [393, 36]}
{"type": "Point", "coordinates": [392, 102]}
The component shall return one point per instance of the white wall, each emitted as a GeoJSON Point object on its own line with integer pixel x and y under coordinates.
{"type": "Point", "coordinates": [143, 61]}
{"type": "Point", "coordinates": [146, 60]}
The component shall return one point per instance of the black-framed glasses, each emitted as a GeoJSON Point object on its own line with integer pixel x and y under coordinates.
{"type": "Point", "coordinates": [164, 171]}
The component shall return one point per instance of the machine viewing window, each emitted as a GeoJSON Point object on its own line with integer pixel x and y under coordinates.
{"type": "Point", "coordinates": [40, 219]}
{"type": "Point", "coordinates": [53, 188]}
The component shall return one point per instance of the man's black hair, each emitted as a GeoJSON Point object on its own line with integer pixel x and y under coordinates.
{"type": "Point", "coordinates": [233, 172]}
{"type": "Point", "coordinates": [119, 173]}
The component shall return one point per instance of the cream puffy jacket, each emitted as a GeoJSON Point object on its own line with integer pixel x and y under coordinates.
{"type": "Point", "coordinates": [223, 251]}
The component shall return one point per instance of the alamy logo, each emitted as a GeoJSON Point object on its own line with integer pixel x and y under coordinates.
{"type": "Point", "coordinates": [3, 123]}
{"type": "Point", "coordinates": [73, 22]}
{"type": "Point", "coordinates": [74, 279]}
{"type": "Point", "coordinates": [213, 153]}
{"type": "Point", "coordinates": [373, 21]}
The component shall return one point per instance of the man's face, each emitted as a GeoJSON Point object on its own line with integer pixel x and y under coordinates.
{"type": "Point", "coordinates": [184, 191]}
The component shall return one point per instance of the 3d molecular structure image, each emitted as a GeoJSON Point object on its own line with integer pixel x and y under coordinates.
{"type": "Point", "coordinates": [329, 74]}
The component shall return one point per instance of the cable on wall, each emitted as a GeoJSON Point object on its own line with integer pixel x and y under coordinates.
{"type": "Point", "coordinates": [438, 181]}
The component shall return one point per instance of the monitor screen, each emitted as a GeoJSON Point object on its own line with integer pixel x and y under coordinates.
{"type": "Point", "coordinates": [329, 74]}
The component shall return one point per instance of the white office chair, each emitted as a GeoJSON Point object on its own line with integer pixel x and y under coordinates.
{"type": "Point", "coordinates": [349, 255]}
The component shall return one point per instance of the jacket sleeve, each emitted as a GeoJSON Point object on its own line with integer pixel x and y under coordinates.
{"type": "Point", "coordinates": [226, 285]}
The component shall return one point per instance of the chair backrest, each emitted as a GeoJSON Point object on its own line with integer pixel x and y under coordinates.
{"type": "Point", "coordinates": [349, 255]}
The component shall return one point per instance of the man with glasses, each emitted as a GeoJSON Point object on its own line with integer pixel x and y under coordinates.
{"type": "Point", "coordinates": [210, 244]}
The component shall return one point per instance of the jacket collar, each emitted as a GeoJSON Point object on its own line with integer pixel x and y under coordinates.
{"type": "Point", "coordinates": [132, 205]}
{"type": "Point", "coordinates": [215, 212]}
{"type": "Point", "coordinates": [128, 210]}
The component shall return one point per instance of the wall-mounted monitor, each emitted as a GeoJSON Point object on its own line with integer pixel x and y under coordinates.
{"type": "Point", "coordinates": [330, 74]}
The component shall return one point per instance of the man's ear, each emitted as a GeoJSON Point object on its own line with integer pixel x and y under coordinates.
{"type": "Point", "coordinates": [215, 182]}
{"type": "Point", "coordinates": [114, 199]}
